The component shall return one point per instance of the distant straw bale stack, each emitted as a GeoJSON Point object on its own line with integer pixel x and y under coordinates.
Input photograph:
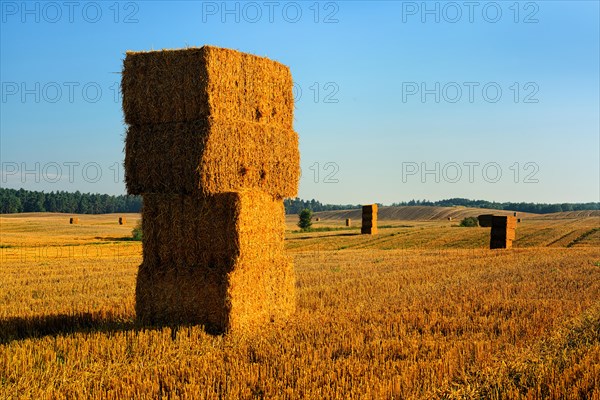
{"type": "Point", "coordinates": [211, 148]}
{"type": "Point", "coordinates": [317, 219]}
{"type": "Point", "coordinates": [348, 222]}
{"type": "Point", "coordinates": [485, 220]}
{"type": "Point", "coordinates": [369, 220]}
{"type": "Point", "coordinates": [122, 220]}
{"type": "Point", "coordinates": [503, 232]}
{"type": "Point", "coordinates": [73, 220]}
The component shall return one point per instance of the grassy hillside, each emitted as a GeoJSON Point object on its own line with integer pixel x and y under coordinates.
{"type": "Point", "coordinates": [416, 213]}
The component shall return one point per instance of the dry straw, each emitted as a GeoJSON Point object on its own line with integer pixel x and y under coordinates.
{"type": "Point", "coordinates": [73, 220]}
{"type": "Point", "coordinates": [231, 269]}
{"type": "Point", "coordinates": [195, 83]}
{"type": "Point", "coordinates": [348, 222]}
{"type": "Point", "coordinates": [503, 232]}
{"type": "Point", "coordinates": [212, 155]}
{"type": "Point", "coordinates": [369, 219]}
{"type": "Point", "coordinates": [211, 148]}
{"type": "Point", "coordinates": [485, 220]}
{"type": "Point", "coordinates": [122, 220]}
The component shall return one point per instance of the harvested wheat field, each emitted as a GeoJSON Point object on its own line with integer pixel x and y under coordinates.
{"type": "Point", "coordinates": [416, 312]}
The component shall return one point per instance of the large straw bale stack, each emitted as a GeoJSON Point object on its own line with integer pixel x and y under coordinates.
{"type": "Point", "coordinates": [348, 222]}
{"type": "Point", "coordinates": [485, 220]}
{"type": "Point", "coordinates": [73, 220]}
{"type": "Point", "coordinates": [196, 83]}
{"type": "Point", "coordinates": [213, 156]}
{"type": "Point", "coordinates": [369, 219]}
{"type": "Point", "coordinates": [211, 148]}
{"type": "Point", "coordinates": [503, 232]}
{"type": "Point", "coordinates": [122, 220]}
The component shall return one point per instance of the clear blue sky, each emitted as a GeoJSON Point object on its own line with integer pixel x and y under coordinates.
{"type": "Point", "coordinates": [367, 76]}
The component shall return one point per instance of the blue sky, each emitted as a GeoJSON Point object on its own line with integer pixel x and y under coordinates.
{"type": "Point", "coordinates": [394, 100]}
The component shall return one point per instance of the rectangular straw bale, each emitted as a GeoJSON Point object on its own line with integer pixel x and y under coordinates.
{"type": "Point", "coordinates": [368, 230]}
{"type": "Point", "coordinates": [348, 222]}
{"type": "Point", "coordinates": [195, 83]}
{"type": "Point", "coordinates": [254, 294]}
{"type": "Point", "coordinates": [372, 217]}
{"type": "Point", "coordinates": [122, 220]}
{"type": "Point", "coordinates": [504, 221]}
{"type": "Point", "coordinates": [369, 209]}
{"type": "Point", "coordinates": [501, 234]}
{"type": "Point", "coordinates": [211, 156]}
{"type": "Point", "coordinates": [485, 220]}
{"type": "Point", "coordinates": [216, 260]}
{"type": "Point", "coordinates": [500, 244]}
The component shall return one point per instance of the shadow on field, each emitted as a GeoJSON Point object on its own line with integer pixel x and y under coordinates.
{"type": "Point", "coordinates": [19, 328]}
{"type": "Point", "coordinates": [117, 239]}
{"type": "Point", "coordinates": [36, 327]}
{"type": "Point", "coordinates": [320, 237]}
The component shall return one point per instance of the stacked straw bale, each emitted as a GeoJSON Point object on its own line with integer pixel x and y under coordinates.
{"type": "Point", "coordinates": [73, 220]}
{"type": "Point", "coordinates": [211, 148]}
{"type": "Point", "coordinates": [369, 220]}
{"type": "Point", "coordinates": [122, 220]}
{"type": "Point", "coordinates": [503, 232]}
{"type": "Point", "coordinates": [348, 222]}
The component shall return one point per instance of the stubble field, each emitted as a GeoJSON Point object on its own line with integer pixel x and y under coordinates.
{"type": "Point", "coordinates": [422, 310]}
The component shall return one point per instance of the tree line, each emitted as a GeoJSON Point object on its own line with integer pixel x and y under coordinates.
{"type": "Point", "coordinates": [16, 201]}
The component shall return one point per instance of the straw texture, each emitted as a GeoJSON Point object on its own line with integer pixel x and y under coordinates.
{"type": "Point", "coordinates": [211, 149]}
{"type": "Point", "coordinates": [211, 156]}
{"type": "Point", "coordinates": [369, 220]}
{"type": "Point", "coordinates": [196, 83]}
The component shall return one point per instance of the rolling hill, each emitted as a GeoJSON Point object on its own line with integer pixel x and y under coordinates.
{"type": "Point", "coordinates": [417, 213]}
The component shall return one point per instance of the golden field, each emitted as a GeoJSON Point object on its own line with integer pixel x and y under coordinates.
{"type": "Point", "coordinates": [421, 310]}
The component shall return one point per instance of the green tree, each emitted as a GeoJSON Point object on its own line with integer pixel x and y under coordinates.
{"type": "Point", "coordinates": [469, 222]}
{"type": "Point", "coordinates": [137, 233]}
{"type": "Point", "coordinates": [305, 219]}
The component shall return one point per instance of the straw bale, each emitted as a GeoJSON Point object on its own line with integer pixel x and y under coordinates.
{"type": "Point", "coordinates": [73, 220]}
{"type": "Point", "coordinates": [348, 222]}
{"type": "Point", "coordinates": [195, 83]}
{"type": "Point", "coordinates": [216, 260]}
{"type": "Point", "coordinates": [369, 209]}
{"type": "Point", "coordinates": [485, 220]}
{"type": "Point", "coordinates": [504, 221]}
{"type": "Point", "coordinates": [122, 220]}
{"type": "Point", "coordinates": [211, 156]}
{"type": "Point", "coordinates": [501, 244]}
{"type": "Point", "coordinates": [502, 233]}
{"type": "Point", "coordinates": [368, 230]}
